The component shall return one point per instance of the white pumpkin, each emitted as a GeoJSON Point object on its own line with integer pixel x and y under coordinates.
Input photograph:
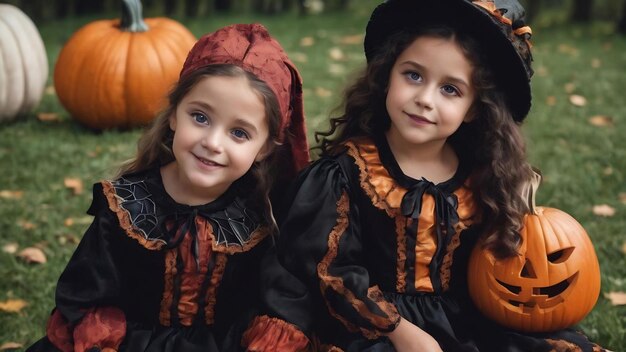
{"type": "Point", "coordinates": [23, 64]}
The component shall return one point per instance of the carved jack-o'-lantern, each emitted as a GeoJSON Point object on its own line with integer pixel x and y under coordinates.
{"type": "Point", "coordinates": [552, 283]}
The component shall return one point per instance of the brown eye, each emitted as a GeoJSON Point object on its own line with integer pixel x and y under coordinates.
{"type": "Point", "coordinates": [561, 255]}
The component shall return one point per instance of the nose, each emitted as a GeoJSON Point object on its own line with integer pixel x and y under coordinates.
{"type": "Point", "coordinates": [213, 141]}
{"type": "Point", "coordinates": [424, 96]}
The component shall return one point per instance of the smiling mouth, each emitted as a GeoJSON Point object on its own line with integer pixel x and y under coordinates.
{"type": "Point", "coordinates": [420, 119]}
{"type": "Point", "coordinates": [207, 161]}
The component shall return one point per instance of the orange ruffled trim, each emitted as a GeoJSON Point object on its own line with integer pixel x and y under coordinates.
{"type": "Point", "coordinates": [268, 334]}
{"type": "Point", "coordinates": [101, 327]}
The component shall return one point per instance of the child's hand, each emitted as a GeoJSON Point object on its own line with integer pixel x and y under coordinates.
{"type": "Point", "coordinates": [408, 337]}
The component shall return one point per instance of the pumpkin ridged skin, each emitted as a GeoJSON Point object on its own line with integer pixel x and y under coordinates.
{"type": "Point", "coordinates": [546, 231]}
{"type": "Point", "coordinates": [23, 64]}
{"type": "Point", "coordinates": [110, 78]}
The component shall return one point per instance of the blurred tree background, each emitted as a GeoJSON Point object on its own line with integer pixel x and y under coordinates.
{"type": "Point", "coordinates": [563, 10]}
{"type": "Point", "coordinates": [41, 10]}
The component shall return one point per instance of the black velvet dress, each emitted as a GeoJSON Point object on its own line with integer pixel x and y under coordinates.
{"type": "Point", "coordinates": [372, 245]}
{"type": "Point", "coordinates": [154, 275]}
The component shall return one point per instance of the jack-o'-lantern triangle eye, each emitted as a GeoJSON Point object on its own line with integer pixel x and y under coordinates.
{"type": "Point", "coordinates": [561, 255]}
{"type": "Point", "coordinates": [528, 270]}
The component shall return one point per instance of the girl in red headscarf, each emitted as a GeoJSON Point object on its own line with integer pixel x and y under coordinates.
{"type": "Point", "coordinates": [170, 262]}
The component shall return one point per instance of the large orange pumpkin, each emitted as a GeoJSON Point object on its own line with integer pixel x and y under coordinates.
{"type": "Point", "coordinates": [116, 73]}
{"type": "Point", "coordinates": [552, 284]}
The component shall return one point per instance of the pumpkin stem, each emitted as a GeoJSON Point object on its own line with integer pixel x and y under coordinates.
{"type": "Point", "coordinates": [530, 190]}
{"type": "Point", "coordinates": [132, 20]}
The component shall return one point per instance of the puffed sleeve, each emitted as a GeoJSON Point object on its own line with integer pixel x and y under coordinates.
{"type": "Point", "coordinates": [285, 319]}
{"type": "Point", "coordinates": [320, 243]}
{"type": "Point", "coordinates": [86, 313]}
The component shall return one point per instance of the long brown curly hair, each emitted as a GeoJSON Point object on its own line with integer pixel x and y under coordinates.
{"type": "Point", "coordinates": [492, 144]}
{"type": "Point", "coordinates": [154, 148]}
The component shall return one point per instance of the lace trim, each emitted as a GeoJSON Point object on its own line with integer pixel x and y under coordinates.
{"type": "Point", "coordinates": [401, 253]}
{"type": "Point", "coordinates": [336, 284]}
{"type": "Point", "coordinates": [233, 229]}
{"type": "Point", "coordinates": [211, 295]}
{"type": "Point", "coordinates": [168, 289]}
{"type": "Point", "coordinates": [124, 217]}
{"type": "Point", "coordinates": [375, 181]}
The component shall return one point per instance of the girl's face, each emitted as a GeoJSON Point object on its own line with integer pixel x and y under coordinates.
{"type": "Point", "coordinates": [429, 94]}
{"type": "Point", "coordinates": [220, 130]}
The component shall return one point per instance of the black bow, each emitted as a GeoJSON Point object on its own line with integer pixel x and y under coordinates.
{"type": "Point", "coordinates": [183, 224]}
{"type": "Point", "coordinates": [446, 217]}
{"type": "Point", "coordinates": [231, 226]}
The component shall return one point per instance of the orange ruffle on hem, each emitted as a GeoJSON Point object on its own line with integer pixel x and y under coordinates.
{"type": "Point", "coordinates": [268, 334]}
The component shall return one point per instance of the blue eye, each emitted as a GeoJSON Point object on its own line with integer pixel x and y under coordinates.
{"type": "Point", "coordinates": [450, 90]}
{"type": "Point", "coordinates": [413, 76]}
{"type": "Point", "coordinates": [200, 118]}
{"type": "Point", "coordinates": [240, 134]}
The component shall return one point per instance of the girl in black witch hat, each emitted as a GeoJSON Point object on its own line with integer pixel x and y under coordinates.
{"type": "Point", "coordinates": [427, 157]}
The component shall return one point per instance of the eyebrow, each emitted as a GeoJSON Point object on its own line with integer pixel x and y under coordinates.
{"type": "Point", "coordinates": [457, 80]}
{"type": "Point", "coordinates": [238, 121]}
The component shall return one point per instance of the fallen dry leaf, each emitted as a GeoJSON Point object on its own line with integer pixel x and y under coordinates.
{"type": "Point", "coordinates": [336, 54]}
{"type": "Point", "coordinates": [551, 100]}
{"type": "Point", "coordinates": [352, 39]}
{"type": "Point", "coordinates": [8, 194]}
{"type": "Point", "coordinates": [307, 41]}
{"type": "Point", "coordinates": [570, 87]}
{"type": "Point", "coordinates": [616, 298]}
{"type": "Point", "coordinates": [10, 346]}
{"type": "Point", "coordinates": [68, 222]}
{"type": "Point", "coordinates": [323, 92]}
{"type": "Point", "coordinates": [603, 210]}
{"type": "Point", "coordinates": [624, 248]}
{"type": "Point", "coordinates": [48, 117]}
{"type": "Point", "coordinates": [67, 239]}
{"type": "Point", "coordinates": [10, 248]}
{"type": "Point", "coordinates": [13, 305]}
{"type": "Point", "coordinates": [75, 184]}
{"type": "Point", "coordinates": [596, 63]}
{"type": "Point", "coordinates": [601, 121]}
{"type": "Point", "coordinates": [26, 225]}
{"type": "Point", "coordinates": [577, 100]}
{"type": "Point", "coordinates": [622, 197]}
{"type": "Point", "coordinates": [336, 69]}
{"type": "Point", "coordinates": [608, 171]}
{"type": "Point", "coordinates": [33, 255]}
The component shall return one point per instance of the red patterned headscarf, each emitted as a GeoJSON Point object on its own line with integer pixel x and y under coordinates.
{"type": "Point", "coordinates": [251, 47]}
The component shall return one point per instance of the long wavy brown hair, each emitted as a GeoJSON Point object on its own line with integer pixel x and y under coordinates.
{"type": "Point", "coordinates": [492, 144]}
{"type": "Point", "coordinates": [154, 148]}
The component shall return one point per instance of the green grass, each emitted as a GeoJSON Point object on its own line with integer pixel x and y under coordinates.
{"type": "Point", "coordinates": [583, 165]}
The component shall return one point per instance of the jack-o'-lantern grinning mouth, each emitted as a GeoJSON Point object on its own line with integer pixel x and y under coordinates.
{"type": "Point", "coordinates": [550, 292]}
